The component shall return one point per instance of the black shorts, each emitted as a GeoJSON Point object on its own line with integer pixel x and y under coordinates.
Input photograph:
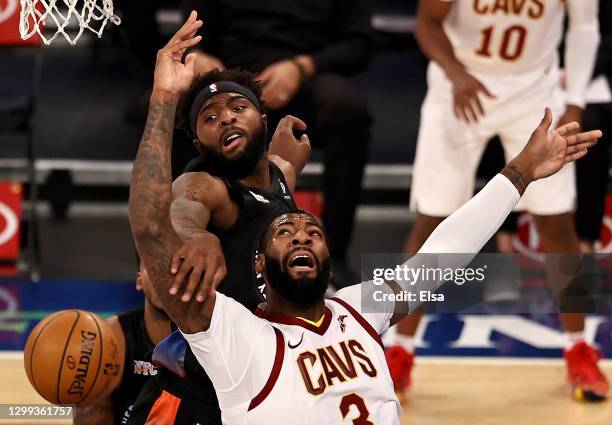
{"type": "Point", "coordinates": [170, 400]}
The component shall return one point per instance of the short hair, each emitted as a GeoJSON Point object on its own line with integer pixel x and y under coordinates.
{"type": "Point", "coordinates": [264, 237]}
{"type": "Point", "coordinates": [235, 75]}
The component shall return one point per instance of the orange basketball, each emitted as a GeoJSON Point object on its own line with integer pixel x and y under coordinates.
{"type": "Point", "coordinates": [72, 357]}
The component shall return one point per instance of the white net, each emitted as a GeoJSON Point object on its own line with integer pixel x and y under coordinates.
{"type": "Point", "coordinates": [69, 18]}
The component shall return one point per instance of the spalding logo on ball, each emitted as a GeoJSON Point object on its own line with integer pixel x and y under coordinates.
{"type": "Point", "coordinates": [72, 357]}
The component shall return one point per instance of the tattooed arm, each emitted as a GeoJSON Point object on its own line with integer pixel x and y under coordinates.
{"type": "Point", "coordinates": [151, 188]}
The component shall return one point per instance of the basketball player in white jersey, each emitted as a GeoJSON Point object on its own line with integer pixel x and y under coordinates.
{"type": "Point", "coordinates": [303, 359]}
{"type": "Point", "coordinates": [494, 65]}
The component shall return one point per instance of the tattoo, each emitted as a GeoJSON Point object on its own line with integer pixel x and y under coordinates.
{"type": "Point", "coordinates": [149, 209]}
{"type": "Point", "coordinates": [516, 177]}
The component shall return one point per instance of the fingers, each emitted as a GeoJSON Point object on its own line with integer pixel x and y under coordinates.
{"type": "Point", "coordinates": [186, 27]}
{"type": "Point", "coordinates": [487, 92]}
{"type": "Point", "coordinates": [192, 284]}
{"type": "Point", "coordinates": [289, 122]}
{"type": "Point", "coordinates": [305, 141]}
{"type": "Point", "coordinates": [176, 259]}
{"type": "Point", "coordinates": [575, 156]}
{"type": "Point", "coordinates": [217, 279]}
{"type": "Point", "coordinates": [205, 285]}
{"type": "Point", "coordinates": [567, 128]}
{"type": "Point", "coordinates": [584, 137]}
{"type": "Point", "coordinates": [546, 121]}
{"type": "Point", "coordinates": [212, 279]}
{"type": "Point", "coordinates": [182, 45]}
{"type": "Point", "coordinates": [190, 61]}
{"type": "Point", "coordinates": [460, 113]}
{"type": "Point", "coordinates": [465, 109]}
{"type": "Point", "coordinates": [579, 147]}
{"type": "Point", "coordinates": [294, 123]}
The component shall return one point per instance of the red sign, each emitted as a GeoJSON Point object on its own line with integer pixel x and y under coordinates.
{"type": "Point", "coordinates": [9, 25]}
{"type": "Point", "coordinates": [310, 201]}
{"type": "Point", "coordinates": [11, 195]}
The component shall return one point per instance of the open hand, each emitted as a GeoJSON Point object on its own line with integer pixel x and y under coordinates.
{"type": "Point", "coordinates": [198, 266]}
{"type": "Point", "coordinates": [548, 151]}
{"type": "Point", "coordinates": [172, 76]}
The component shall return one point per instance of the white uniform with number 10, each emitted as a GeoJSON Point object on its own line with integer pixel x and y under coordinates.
{"type": "Point", "coordinates": [511, 47]}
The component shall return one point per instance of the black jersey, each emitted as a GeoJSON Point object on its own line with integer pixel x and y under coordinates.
{"type": "Point", "coordinates": [138, 368]}
{"type": "Point", "coordinates": [193, 398]}
{"type": "Point", "coordinates": [257, 207]}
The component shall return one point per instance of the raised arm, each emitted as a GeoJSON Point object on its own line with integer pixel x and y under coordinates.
{"type": "Point", "coordinates": [151, 187]}
{"type": "Point", "coordinates": [199, 264]}
{"type": "Point", "coordinates": [467, 230]}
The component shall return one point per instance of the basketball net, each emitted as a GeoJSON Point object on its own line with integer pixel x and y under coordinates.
{"type": "Point", "coordinates": [90, 14]}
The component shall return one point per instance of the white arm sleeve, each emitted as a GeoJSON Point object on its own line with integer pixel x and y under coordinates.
{"type": "Point", "coordinates": [226, 352]}
{"type": "Point", "coordinates": [581, 43]}
{"type": "Point", "coordinates": [464, 232]}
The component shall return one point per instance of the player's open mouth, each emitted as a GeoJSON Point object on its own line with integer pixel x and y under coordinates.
{"type": "Point", "coordinates": [232, 139]}
{"type": "Point", "coordinates": [301, 261]}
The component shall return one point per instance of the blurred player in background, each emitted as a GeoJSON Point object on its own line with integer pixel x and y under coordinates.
{"type": "Point", "coordinates": [304, 52]}
{"type": "Point", "coordinates": [138, 331]}
{"type": "Point", "coordinates": [493, 66]}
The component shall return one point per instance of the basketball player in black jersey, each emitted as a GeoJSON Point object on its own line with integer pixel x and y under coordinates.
{"type": "Point", "coordinates": [138, 331]}
{"type": "Point", "coordinates": [221, 203]}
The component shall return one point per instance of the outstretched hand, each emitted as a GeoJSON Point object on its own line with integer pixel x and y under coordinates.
{"type": "Point", "coordinates": [172, 76]}
{"type": "Point", "coordinates": [548, 151]}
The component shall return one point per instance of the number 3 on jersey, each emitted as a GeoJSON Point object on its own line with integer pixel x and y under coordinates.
{"type": "Point", "coordinates": [354, 400]}
{"type": "Point", "coordinates": [511, 45]}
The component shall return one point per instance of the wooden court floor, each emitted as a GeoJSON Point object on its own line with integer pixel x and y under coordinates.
{"type": "Point", "coordinates": [445, 392]}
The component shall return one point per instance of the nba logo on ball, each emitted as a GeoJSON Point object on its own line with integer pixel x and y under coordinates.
{"type": "Point", "coordinates": [213, 88]}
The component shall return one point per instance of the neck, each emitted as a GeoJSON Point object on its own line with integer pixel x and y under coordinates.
{"type": "Point", "coordinates": [260, 177]}
{"type": "Point", "coordinates": [277, 304]}
{"type": "Point", "coordinates": [157, 323]}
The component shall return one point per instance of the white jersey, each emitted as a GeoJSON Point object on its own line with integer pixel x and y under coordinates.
{"type": "Point", "coordinates": [276, 369]}
{"type": "Point", "coordinates": [501, 37]}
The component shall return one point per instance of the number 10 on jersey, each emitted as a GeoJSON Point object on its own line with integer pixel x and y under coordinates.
{"type": "Point", "coordinates": [511, 43]}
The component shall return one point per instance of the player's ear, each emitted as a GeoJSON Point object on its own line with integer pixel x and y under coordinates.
{"type": "Point", "coordinates": [264, 118]}
{"type": "Point", "coordinates": [138, 281]}
{"type": "Point", "coordinates": [331, 276]}
{"type": "Point", "coordinates": [260, 263]}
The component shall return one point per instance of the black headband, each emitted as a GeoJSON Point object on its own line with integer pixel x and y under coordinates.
{"type": "Point", "coordinates": [215, 89]}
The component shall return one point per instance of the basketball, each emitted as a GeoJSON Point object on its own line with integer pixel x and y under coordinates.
{"type": "Point", "coordinates": [72, 357]}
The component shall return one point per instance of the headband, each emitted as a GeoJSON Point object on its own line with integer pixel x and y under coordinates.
{"type": "Point", "coordinates": [215, 89]}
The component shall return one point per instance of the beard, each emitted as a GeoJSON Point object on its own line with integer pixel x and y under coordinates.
{"type": "Point", "coordinates": [217, 164]}
{"type": "Point", "coordinates": [303, 292]}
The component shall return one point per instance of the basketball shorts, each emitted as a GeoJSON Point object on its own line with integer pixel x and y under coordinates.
{"type": "Point", "coordinates": [158, 405]}
{"type": "Point", "coordinates": [449, 150]}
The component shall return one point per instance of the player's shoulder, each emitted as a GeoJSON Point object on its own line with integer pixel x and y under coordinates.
{"type": "Point", "coordinates": [115, 325]}
{"type": "Point", "coordinates": [198, 186]}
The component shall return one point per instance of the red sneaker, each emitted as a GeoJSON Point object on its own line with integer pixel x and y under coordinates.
{"type": "Point", "coordinates": [588, 383]}
{"type": "Point", "coordinates": [400, 364]}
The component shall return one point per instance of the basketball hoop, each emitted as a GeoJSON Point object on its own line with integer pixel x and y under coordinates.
{"type": "Point", "coordinates": [64, 15]}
